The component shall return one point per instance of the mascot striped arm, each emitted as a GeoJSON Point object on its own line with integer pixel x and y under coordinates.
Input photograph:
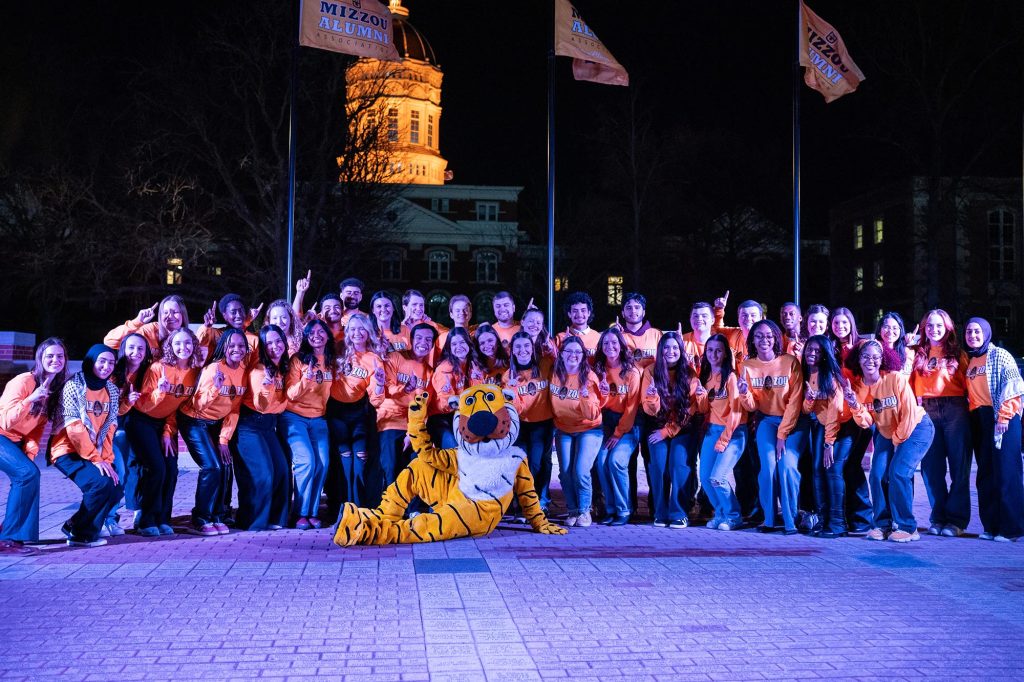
{"type": "Point", "coordinates": [468, 487]}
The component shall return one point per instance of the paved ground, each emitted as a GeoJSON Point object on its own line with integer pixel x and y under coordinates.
{"type": "Point", "coordinates": [636, 602]}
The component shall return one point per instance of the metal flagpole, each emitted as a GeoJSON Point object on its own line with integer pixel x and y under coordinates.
{"type": "Point", "coordinates": [796, 156]}
{"type": "Point", "coordinates": [551, 179]}
{"type": "Point", "coordinates": [293, 86]}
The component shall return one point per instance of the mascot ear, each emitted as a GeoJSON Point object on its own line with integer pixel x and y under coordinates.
{"type": "Point", "coordinates": [453, 402]}
{"type": "Point", "coordinates": [509, 395]}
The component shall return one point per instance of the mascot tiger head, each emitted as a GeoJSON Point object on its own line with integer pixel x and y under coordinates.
{"type": "Point", "coordinates": [485, 421]}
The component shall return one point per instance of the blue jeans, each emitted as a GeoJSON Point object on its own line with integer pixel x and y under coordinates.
{"type": "Point", "coordinates": [158, 474]}
{"type": "Point", "coordinates": [577, 453]}
{"type": "Point", "coordinates": [892, 477]}
{"type": "Point", "coordinates": [21, 520]}
{"type": "Point", "coordinates": [613, 465]}
{"type": "Point", "coordinates": [1000, 472]}
{"type": "Point", "coordinates": [263, 475]}
{"type": "Point", "coordinates": [308, 442]}
{"type": "Point", "coordinates": [715, 468]}
{"type": "Point", "coordinates": [951, 446]}
{"type": "Point", "coordinates": [99, 495]}
{"type": "Point", "coordinates": [672, 476]}
{"type": "Point", "coordinates": [121, 457]}
{"type": "Point", "coordinates": [830, 484]}
{"type": "Point", "coordinates": [858, 493]}
{"type": "Point", "coordinates": [202, 437]}
{"type": "Point", "coordinates": [536, 438]}
{"type": "Point", "coordinates": [347, 478]}
{"type": "Point", "coordinates": [780, 479]}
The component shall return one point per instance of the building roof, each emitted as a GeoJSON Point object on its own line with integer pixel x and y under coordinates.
{"type": "Point", "coordinates": [410, 43]}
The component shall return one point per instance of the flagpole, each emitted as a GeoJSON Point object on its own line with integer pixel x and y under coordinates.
{"type": "Point", "coordinates": [796, 157]}
{"type": "Point", "coordinates": [551, 178]}
{"type": "Point", "coordinates": [293, 86]}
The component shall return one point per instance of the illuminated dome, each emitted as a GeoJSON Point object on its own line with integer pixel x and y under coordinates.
{"type": "Point", "coordinates": [410, 43]}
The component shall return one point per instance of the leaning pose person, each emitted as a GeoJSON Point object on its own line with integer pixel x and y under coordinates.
{"type": "Point", "coordinates": [528, 378]}
{"type": "Point", "coordinates": [29, 401]}
{"type": "Point", "coordinates": [620, 384]}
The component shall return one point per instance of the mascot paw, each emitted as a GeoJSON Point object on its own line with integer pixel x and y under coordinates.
{"type": "Point", "coordinates": [350, 527]}
{"type": "Point", "coordinates": [549, 528]}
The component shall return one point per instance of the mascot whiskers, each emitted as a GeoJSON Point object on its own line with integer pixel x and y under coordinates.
{"type": "Point", "coordinates": [468, 487]}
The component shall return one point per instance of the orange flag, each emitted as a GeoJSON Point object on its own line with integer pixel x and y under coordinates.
{"type": "Point", "coordinates": [829, 69]}
{"type": "Point", "coordinates": [359, 27]}
{"type": "Point", "coordinates": [591, 60]}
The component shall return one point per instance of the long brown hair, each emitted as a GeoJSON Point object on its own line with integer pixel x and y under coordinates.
{"type": "Point", "coordinates": [950, 344]}
{"type": "Point", "coordinates": [674, 394]}
{"type": "Point", "coordinates": [39, 374]}
{"type": "Point", "coordinates": [560, 370]}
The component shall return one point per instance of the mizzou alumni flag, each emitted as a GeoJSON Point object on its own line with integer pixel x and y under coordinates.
{"type": "Point", "coordinates": [359, 27]}
{"type": "Point", "coordinates": [829, 69]}
{"type": "Point", "coordinates": [591, 60]}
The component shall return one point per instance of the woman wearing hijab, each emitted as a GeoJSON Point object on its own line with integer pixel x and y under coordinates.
{"type": "Point", "coordinates": [82, 445]}
{"type": "Point", "coordinates": [994, 390]}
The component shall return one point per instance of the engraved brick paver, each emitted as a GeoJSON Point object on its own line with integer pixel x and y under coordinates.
{"type": "Point", "coordinates": [631, 603]}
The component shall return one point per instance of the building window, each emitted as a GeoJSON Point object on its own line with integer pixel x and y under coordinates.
{"type": "Point", "coordinates": [1003, 319]}
{"type": "Point", "coordinates": [391, 265]}
{"type": "Point", "coordinates": [437, 306]}
{"type": "Point", "coordinates": [439, 265]}
{"type": "Point", "coordinates": [615, 290]}
{"type": "Point", "coordinates": [858, 279]}
{"type": "Point", "coordinates": [392, 125]}
{"type": "Point", "coordinates": [487, 210]}
{"type": "Point", "coordinates": [414, 127]}
{"type": "Point", "coordinates": [858, 236]}
{"type": "Point", "coordinates": [487, 267]}
{"type": "Point", "coordinates": [1002, 245]}
{"type": "Point", "coordinates": [879, 231]}
{"type": "Point", "coordinates": [430, 131]}
{"type": "Point", "coordinates": [483, 306]}
{"type": "Point", "coordinates": [439, 205]}
{"type": "Point", "coordinates": [174, 269]}
{"type": "Point", "coordinates": [562, 283]}
{"type": "Point", "coordinates": [879, 275]}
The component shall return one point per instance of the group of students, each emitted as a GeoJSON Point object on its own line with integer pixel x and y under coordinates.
{"type": "Point", "coordinates": [317, 401]}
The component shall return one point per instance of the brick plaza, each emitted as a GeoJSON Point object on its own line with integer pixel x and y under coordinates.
{"type": "Point", "coordinates": [631, 603]}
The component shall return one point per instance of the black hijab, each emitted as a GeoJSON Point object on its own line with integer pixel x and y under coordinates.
{"type": "Point", "coordinates": [88, 367]}
{"type": "Point", "coordinates": [986, 332]}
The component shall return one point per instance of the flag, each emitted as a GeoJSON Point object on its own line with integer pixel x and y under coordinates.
{"type": "Point", "coordinates": [829, 69]}
{"type": "Point", "coordinates": [359, 27]}
{"type": "Point", "coordinates": [591, 61]}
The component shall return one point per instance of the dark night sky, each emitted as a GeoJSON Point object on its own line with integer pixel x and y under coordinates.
{"type": "Point", "coordinates": [701, 65]}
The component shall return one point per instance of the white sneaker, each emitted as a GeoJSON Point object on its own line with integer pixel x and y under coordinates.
{"type": "Point", "coordinates": [112, 528]}
{"type": "Point", "coordinates": [986, 536]}
{"type": "Point", "coordinates": [951, 531]}
{"type": "Point", "coordinates": [584, 520]}
{"type": "Point", "coordinates": [571, 520]}
{"type": "Point", "coordinates": [1002, 538]}
{"type": "Point", "coordinates": [935, 529]}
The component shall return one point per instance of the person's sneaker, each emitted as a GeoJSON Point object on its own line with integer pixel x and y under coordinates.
{"type": "Point", "coordinates": [222, 528]}
{"type": "Point", "coordinates": [314, 522]}
{"type": "Point", "coordinates": [831, 534]}
{"type": "Point", "coordinates": [104, 531]}
{"type": "Point", "coordinates": [149, 532]}
{"type": "Point", "coordinates": [584, 520]}
{"type": "Point", "coordinates": [678, 523]}
{"type": "Point", "coordinates": [206, 530]}
{"type": "Point", "coordinates": [986, 536]}
{"type": "Point", "coordinates": [165, 529]}
{"type": "Point", "coordinates": [274, 526]}
{"type": "Point", "coordinates": [113, 529]}
{"type": "Point", "coordinates": [15, 548]}
{"type": "Point", "coordinates": [619, 521]}
{"type": "Point", "coordinates": [571, 520]}
{"type": "Point", "coordinates": [302, 523]}
{"type": "Point", "coordinates": [725, 525]}
{"type": "Point", "coordinates": [951, 531]}
{"type": "Point", "coordinates": [660, 524]}
{"type": "Point", "coordinates": [1002, 538]}
{"type": "Point", "coordinates": [713, 524]}
{"type": "Point", "coordinates": [98, 542]}
{"type": "Point", "coordinates": [935, 529]}
{"type": "Point", "coordinates": [66, 529]}
{"type": "Point", "coordinates": [904, 536]}
{"type": "Point", "coordinates": [876, 534]}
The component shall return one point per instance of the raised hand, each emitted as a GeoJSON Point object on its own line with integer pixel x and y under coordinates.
{"type": "Point", "coordinates": [42, 391]}
{"type": "Point", "coordinates": [210, 316]}
{"type": "Point", "coordinates": [679, 328]}
{"type": "Point", "coordinates": [164, 385]}
{"type": "Point", "coordinates": [808, 392]}
{"type": "Point", "coordinates": [700, 390]}
{"type": "Point", "coordinates": [310, 314]}
{"type": "Point", "coordinates": [378, 374]}
{"type": "Point", "coordinates": [652, 390]}
{"type": "Point", "coordinates": [147, 314]}
{"type": "Point", "coordinates": [133, 395]}
{"type": "Point", "coordinates": [848, 395]}
{"type": "Point", "coordinates": [584, 393]}
{"type": "Point", "coordinates": [742, 384]}
{"type": "Point", "coordinates": [914, 338]}
{"type": "Point", "coordinates": [530, 305]}
{"type": "Point", "coordinates": [722, 301]}
{"type": "Point", "coordinates": [218, 379]}
{"type": "Point", "coordinates": [255, 312]}
{"type": "Point", "coordinates": [617, 324]}
{"type": "Point", "coordinates": [268, 378]}
{"type": "Point", "coordinates": [302, 285]}
{"type": "Point", "coordinates": [603, 385]}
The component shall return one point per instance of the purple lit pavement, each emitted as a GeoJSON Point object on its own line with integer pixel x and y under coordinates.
{"type": "Point", "coordinates": [636, 603]}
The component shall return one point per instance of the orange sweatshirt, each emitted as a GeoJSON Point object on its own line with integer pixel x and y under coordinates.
{"type": "Point", "coordinates": [643, 346]}
{"type": "Point", "coordinates": [737, 339]}
{"type": "Point", "coordinates": [623, 397]}
{"type": "Point", "coordinates": [442, 338]}
{"type": "Point", "coordinates": [404, 376]}
{"type": "Point", "coordinates": [263, 397]}
{"type": "Point", "coordinates": [160, 405]}
{"type": "Point", "coordinates": [573, 412]}
{"type": "Point", "coordinates": [308, 388]}
{"type": "Point", "coordinates": [22, 421]}
{"type": "Point", "coordinates": [589, 337]}
{"type": "Point", "coordinates": [505, 334]}
{"type": "Point", "coordinates": [532, 397]}
{"type": "Point", "coordinates": [149, 331]}
{"type": "Point", "coordinates": [723, 405]}
{"type": "Point", "coordinates": [210, 337]}
{"type": "Point", "coordinates": [650, 399]}
{"type": "Point", "coordinates": [75, 438]}
{"type": "Point", "coordinates": [210, 402]}
{"type": "Point", "coordinates": [937, 381]}
{"type": "Point", "coordinates": [776, 389]}
{"type": "Point", "coordinates": [396, 342]}
{"type": "Point", "coordinates": [890, 405]}
{"type": "Point", "coordinates": [979, 395]}
{"type": "Point", "coordinates": [693, 349]}
{"type": "Point", "coordinates": [445, 382]}
{"type": "Point", "coordinates": [351, 384]}
{"type": "Point", "coordinates": [493, 374]}
{"type": "Point", "coordinates": [831, 411]}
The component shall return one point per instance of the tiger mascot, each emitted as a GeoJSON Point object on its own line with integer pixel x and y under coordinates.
{"type": "Point", "coordinates": [468, 487]}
